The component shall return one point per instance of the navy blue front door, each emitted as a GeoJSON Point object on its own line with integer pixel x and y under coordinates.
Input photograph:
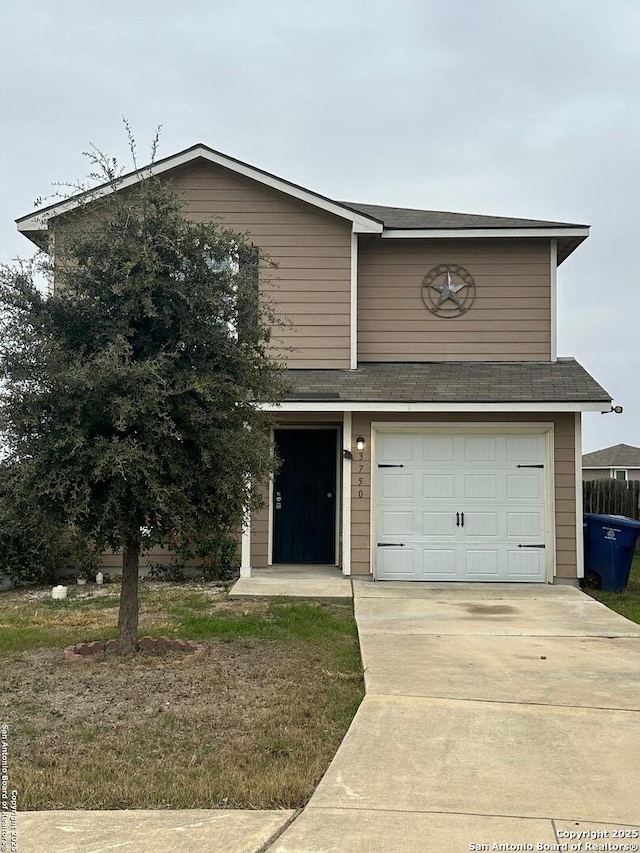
{"type": "Point", "coordinates": [304, 496]}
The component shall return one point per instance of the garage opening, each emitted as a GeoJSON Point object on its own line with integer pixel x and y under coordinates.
{"type": "Point", "coordinates": [460, 506]}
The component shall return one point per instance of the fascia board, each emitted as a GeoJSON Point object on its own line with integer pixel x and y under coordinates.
{"type": "Point", "coordinates": [346, 406]}
{"type": "Point", "coordinates": [608, 467]}
{"type": "Point", "coordinates": [465, 233]}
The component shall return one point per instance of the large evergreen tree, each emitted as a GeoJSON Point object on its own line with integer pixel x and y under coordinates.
{"type": "Point", "coordinates": [131, 394]}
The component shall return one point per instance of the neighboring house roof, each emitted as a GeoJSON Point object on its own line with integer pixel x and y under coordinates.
{"type": "Point", "coordinates": [440, 382]}
{"type": "Point", "coordinates": [618, 456]}
{"type": "Point", "coordinates": [365, 218]}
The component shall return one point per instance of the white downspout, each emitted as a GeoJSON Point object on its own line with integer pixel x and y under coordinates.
{"type": "Point", "coordinates": [354, 303]}
{"type": "Point", "coordinates": [346, 493]}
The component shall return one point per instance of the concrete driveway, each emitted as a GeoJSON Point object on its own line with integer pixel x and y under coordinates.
{"type": "Point", "coordinates": [494, 715]}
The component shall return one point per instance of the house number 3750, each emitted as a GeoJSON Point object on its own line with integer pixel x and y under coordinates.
{"type": "Point", "coordinates": [360, 470]}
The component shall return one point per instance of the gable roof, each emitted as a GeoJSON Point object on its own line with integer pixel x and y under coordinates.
{"type": "Point", "coordinates": [563, 381]}
{"type": "Point", "coordinates": [37, 221]}
{"type": "Point", "coordinates": [617, 456]}
{"type": "Point", "coordinates": [398, 222]}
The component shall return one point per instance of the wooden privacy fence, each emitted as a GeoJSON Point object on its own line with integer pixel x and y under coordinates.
{"type": "Point", "coordinates": [612, 497]}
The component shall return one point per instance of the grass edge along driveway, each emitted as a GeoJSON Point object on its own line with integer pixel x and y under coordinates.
{"type": "Point", "coordinates": [627, 602]}
{"type": "Point", "coordinates": [252, 723]}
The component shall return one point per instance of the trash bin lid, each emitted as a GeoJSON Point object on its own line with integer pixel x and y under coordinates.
{"type": "Point", "coordinates": [620, 520]}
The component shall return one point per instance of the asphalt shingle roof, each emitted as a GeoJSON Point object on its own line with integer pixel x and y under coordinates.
{"type": "Point", "coordinates": [407, 217]}
{"type": "Point", "coordinates": [450, 382]}
{"type": "Point", "coordinates": [398, 218]}
{"type": "Point", "coordinates": [618, 456]}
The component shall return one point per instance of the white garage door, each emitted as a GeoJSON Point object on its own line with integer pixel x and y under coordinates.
{"type": "Point", "coordinates": [460, 507]}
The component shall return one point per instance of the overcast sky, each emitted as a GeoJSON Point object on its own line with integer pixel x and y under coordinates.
{"type": "Point", "coordinates": [499, 107]}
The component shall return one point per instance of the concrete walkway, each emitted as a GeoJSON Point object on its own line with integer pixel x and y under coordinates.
{"type": "Point", "coordinates": [317, 582]}
{"type": "Point", "coordinates": [494, 715]}
{"type": "Point", "coordinates": [150, 831]}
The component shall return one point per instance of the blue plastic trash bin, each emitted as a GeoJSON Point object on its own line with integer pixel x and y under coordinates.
{"type": "Point", "coordinates": [609, 543]}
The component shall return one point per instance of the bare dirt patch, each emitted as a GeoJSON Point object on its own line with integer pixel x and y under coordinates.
{"type": "Point", "coordinates": [251, 722]}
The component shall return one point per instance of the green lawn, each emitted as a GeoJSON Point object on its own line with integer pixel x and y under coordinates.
{"type": "Point", "coordinates": [251, 723]}
{"type": "Point", "coordinates": [627, 602]}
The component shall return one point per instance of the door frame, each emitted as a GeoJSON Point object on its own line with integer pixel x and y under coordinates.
{"type": "Point", "coordinates": [544, 429]}
{"type": "Point", "coordinates": [337, 428]}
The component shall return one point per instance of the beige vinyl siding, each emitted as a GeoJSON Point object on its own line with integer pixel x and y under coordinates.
{"type": "Point", "coordinates": [312, 250]}
{"type": "Point", "coordinates": [260, 532]}
{"type": "Point", "coordinates": [564, 464]}
{"type": "Point", "coordinates": [361, 491]}
{"type": "Point", "coordinates": [111, 561]}
{"type": "Point", "coordinates": [565, 496]}
{"type": "Point", "coordinates": [510, 319]}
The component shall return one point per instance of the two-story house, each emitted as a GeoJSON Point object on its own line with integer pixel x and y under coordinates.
{"type": "Point", "coordinates": [432, 433]}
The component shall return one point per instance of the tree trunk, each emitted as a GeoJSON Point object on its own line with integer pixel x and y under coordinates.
{"type": "Point", "coordinates": [128, 618]}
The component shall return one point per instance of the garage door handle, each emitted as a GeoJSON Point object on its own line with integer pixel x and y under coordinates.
{"type": "Point", "coordinates": [390, 544]}
{"type": "Point", "coordinates": [389, 465]}
{"type": "Point", "coordinates": [530, 546]}
{"type": "Point", "coordinates": [457, 519]}
{"type": "Point", "coordinates": [529, 466]}
{"type": "Point", "coordinates": [461, 519]}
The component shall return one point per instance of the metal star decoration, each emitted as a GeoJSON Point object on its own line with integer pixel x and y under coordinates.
{"type": "Point", "coordinates": [448, 290]}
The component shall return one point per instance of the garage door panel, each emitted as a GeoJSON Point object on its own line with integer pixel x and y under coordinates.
{"type": "Point", "coordinates": [481, 524]}
{"type": "Point", "coordinates": [397, 448]}
{"type": "Point", "coordinates": [525, 565]}
{"type": "Point", "coordinates": [523, 525]}
{"type": "Point", "coordinates": [443, 476]}
{"type": "Point", "coordinates": [523, 450]}
{"type": "Point", "coordinates": [481, 564]}
{"type": "Point", "coordinates": [438, 524]}
{"type": "Point", "coordinates": [438, 564]}
{"type": "Point", "coordinates": [397, 561]}
{"type": "Point", "coordinates": [480, 449]}
{"type": "Point", "coordinates": [438, 486]}
{"type": "Point", "coordinates": [437, 448]}
{"type": "Point", "coordinates": [480, 486]}
{"type": "Point", "coordinates": [523, 486]}
{"type": "Point", "coordinates": [397, 523]}
{"type": "Point", "coordinates": [398, 486]}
